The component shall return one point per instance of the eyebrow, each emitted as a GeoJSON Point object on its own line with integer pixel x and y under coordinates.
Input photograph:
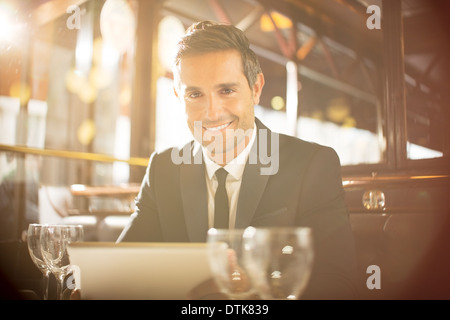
{"type": "Point", "coordinates": [220, 85]}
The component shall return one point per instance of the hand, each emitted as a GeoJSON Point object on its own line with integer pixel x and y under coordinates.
{"type": "Point", "coordinates": [206, 290]}
{"type": "Point", "coordinates": [239, 279]}
{"type": "Point", "coordinates": [75, 294]}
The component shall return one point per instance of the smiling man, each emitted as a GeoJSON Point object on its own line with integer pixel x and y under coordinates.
{"type": "Point", "coordinates": [266, 179]}
{"type": "Point", "coordinates": [219, 101]}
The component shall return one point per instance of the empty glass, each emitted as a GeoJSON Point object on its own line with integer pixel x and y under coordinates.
{"type": "Point", "coordinates": [34, 248]}
{"type": "Point", "coordinates": [54, 241]}
{"type": "Point", "coordinates": [225, 254]}
{"type": "Point", "coordinates": [279, 260]}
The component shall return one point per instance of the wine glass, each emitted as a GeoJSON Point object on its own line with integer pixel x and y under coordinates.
{"type": "Point", "coordinates": [225, 254]}
{"type": "Point", "coordinates": [54, 241]}
{"type": "Point", "coordinates": [34, 248]}
{"type": "Point", "coordinates": [279, 260]}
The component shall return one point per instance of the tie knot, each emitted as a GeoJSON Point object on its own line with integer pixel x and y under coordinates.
{"type": "Point", "coordinates": [221, 175]}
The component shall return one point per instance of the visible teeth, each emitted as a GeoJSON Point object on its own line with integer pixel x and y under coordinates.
{"type": "Point", "coordinates": [219, 127]}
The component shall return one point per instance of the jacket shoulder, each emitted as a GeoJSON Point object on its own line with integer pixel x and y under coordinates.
{"type": "Point", "coordinates": [291, 144]}
{"type": "Point", "coordinates": [297, 145]}
{"type": "Point", "coordinates": [168, 153]}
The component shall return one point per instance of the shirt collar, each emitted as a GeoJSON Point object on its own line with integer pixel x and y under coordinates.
{"type": "Point", "coordinates": [236, 166]}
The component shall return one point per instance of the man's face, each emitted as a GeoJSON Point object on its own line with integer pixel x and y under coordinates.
{"type": "Point", "coordinates": [218, 100]}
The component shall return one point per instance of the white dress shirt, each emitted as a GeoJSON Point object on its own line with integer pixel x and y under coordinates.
{"type": "Point", "coordinates": [235, 169]}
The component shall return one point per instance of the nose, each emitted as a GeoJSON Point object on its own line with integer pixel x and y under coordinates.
{"type": "Point", "coordinates": [213, 108]}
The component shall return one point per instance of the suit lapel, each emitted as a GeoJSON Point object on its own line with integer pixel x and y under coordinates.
{"type": "Point", "coordinates": [252, 186]}
{"type": "Point", "coordinates": [194, 198]}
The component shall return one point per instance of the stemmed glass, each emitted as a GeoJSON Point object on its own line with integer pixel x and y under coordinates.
{"type": "Point", "coordinates": [279, 260]}
{"type": "Point", "coordinates": [54, 241]}
{"type": "Point", "coordinates": [34, 248]}
{"type": "Point", "coordinates": [225, 254]}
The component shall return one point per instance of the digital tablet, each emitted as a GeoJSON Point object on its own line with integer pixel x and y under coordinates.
{"type": "Point", "coordinates": [137, 271]}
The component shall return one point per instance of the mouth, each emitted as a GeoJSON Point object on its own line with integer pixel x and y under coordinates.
{"type": "Point", "coordinates": [218, 128]}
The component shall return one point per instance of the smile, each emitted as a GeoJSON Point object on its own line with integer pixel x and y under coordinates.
{"type": "Point", "coordinates": [218, 128]}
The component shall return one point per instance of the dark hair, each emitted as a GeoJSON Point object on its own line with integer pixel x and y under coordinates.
{"type": "Point", "coordinates": [209, 36]}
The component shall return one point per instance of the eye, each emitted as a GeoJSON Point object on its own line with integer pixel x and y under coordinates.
{"type": "Point", "coordinates": [194, 95]}
{"type": "Point", "coordinates": [227, 91]}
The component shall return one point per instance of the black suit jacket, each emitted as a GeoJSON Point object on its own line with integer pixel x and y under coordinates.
{"type": "Point", "coordinates": [306, 190]}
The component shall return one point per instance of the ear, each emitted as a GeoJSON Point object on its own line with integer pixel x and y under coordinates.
{"type": "Point", "coordinates": [257, 88]}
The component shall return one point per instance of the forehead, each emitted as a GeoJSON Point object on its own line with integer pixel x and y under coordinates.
{"type": "Point", "coordinates": [211, 65]}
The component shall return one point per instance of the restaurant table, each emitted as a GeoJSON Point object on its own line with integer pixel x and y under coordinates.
{"type": "Point", "coordinates": [106, 202]}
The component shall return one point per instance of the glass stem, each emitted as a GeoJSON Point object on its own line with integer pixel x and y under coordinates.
{"type": "Point", "coordinates": [45, 285]}
{"type": "Point", "coordinates": [60, 287]}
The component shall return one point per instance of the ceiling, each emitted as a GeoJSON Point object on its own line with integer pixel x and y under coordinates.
{"type": "Point", "coordinates": [340, 25]}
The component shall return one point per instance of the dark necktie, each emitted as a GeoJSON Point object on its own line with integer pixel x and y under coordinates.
{"type": "Point", "coordinates": [221, 209]}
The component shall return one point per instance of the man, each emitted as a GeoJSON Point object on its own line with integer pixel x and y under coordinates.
{"type": "Point", "coordinates": [272, 180]}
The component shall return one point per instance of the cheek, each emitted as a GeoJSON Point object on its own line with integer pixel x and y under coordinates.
{"type": "Point", "coordinates": [237, 106]}
{"type": "Point", "coordinates": [244, 109]}
{"type": "Point", "coordinates": [193, 113]}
